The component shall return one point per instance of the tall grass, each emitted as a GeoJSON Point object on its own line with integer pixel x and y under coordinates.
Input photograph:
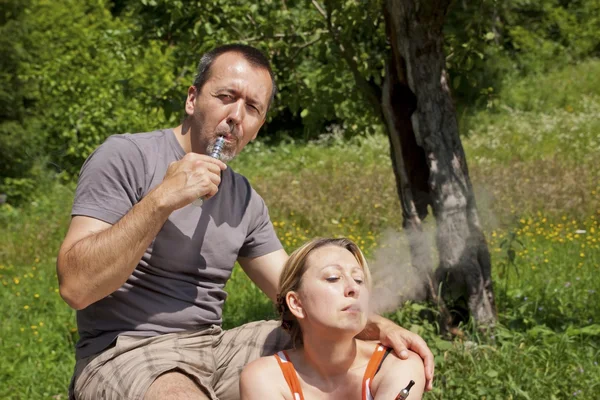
{"type": "Point", "coordinates": [533, 160]}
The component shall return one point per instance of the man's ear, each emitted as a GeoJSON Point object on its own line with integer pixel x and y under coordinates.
{"type": "Point", "coordinates": [294, 304]}
{"type": "Point", "coordinates": [190, 101]}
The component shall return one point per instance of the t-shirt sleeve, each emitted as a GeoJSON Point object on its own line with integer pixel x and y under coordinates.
{"type": "Point", "coordinates": [111, 181]}
{"type": "Point", "coordinates": [261, 238]}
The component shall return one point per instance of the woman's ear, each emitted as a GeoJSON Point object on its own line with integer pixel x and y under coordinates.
{"type": "Point", "coordinates": [294, 304]}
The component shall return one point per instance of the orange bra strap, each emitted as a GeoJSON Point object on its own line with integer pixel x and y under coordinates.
{"type": "Point", "coordinates": [289, 373]}
{"type": "Point", "coordinates": [371, 370]}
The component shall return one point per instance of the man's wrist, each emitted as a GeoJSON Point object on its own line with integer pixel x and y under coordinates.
{"type": "Point", "coordinates": [372, 330]}
{"type": "Point", "coordinates": [156, 202]}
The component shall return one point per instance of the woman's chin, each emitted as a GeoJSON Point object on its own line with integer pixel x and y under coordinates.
{"type": "Point", "coordinates": [351, 329]}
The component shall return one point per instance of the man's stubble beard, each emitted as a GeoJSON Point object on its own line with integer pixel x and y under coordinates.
{"type": "Point", "coordinates": [227, 154]}
{"type": "Point", "coordinates": [229, 151]}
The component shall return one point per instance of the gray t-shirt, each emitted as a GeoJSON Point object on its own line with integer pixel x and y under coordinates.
{"type": "Point", "coordinates": [178, 283]}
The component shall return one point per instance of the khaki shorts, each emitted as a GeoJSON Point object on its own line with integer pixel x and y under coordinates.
{"type": "Point", "coordinates": [213, 358]}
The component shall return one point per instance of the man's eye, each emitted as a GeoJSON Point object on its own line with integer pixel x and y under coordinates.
{"type": "Point", "coordinates": [225, 96]}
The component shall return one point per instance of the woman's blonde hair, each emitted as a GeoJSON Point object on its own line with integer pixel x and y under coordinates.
{"type": "Point", "coordinates": [294, 269]}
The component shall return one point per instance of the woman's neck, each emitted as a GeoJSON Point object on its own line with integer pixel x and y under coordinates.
{"type": "Point", "coordinates": [329, 358]}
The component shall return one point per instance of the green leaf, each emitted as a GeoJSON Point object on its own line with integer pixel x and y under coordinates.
{"type": "Point", "coordinates": [492, 373]}
{"type": "Point", "coordinates": [590, 330]}
{"type": "Point", "coordinates": [443, 345]}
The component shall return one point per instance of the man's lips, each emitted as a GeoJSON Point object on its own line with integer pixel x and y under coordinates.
{"type": "Point", "coordinates": [228, 137]}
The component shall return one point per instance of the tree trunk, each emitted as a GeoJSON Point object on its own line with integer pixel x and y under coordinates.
{"type": "Point", "coordinates": [429, 161]}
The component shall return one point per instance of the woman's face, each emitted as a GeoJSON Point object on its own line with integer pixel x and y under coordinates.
{"type": "Point", "coordinates": [333, 295]}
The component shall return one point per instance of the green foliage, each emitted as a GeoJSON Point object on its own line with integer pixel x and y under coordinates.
{"type": "Point", "coordinates": [486, 41]}
{"type": "Point", "coordinates": [100, 81]}
{"type": "Point", "coordinates": [569, 89]}
{"type": "Point", "coordinates": [75, 76]}
{"type": "Point", "coordinates": [75, 72]}
{"type": "Point", "coordinates": [316, 86]}
{"type": "Point", "coordinates": [541, 117]}
{"type": "Point", "coordinates": [490, 40]}
{"type": "Point", "coordinates": [38, 332]}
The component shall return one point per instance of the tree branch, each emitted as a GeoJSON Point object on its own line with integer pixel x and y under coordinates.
{"type": "Point", "coordinates": [320, 9]}
{"type": "Point", "coordinates": [284, 35]}
{"type": "Point", "coordinates": [305, 45]}
{"type": "Point", "coordinates": [349, 56]}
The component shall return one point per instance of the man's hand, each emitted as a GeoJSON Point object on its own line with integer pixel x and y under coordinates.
{"type": "Point", "coordinates": [401, 340]}
{"type": "Point", "coordinates": [194, 176]}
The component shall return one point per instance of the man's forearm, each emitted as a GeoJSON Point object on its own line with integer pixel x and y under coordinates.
{"type": "Point", "coordinates": [99, 264]}
{"type": "Point", "coordinates": [372, 331]}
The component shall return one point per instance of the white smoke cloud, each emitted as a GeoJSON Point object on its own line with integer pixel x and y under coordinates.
{"type": "Point", "coordinates": [395, 279]}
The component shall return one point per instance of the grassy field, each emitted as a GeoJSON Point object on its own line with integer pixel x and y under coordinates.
{"type": "Point", "coordinates": [533, 159]}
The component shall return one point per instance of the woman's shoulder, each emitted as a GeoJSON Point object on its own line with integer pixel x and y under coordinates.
{"type": "Point", "coordinates": [395, 374]}
{"type": "Point", "coordinates": [263, 365]}
{"type": "Point", "coordinates": [262, 379]}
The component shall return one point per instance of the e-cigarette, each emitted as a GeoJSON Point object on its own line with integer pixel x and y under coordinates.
{"type": "Point", "coordinates": [215, 153]}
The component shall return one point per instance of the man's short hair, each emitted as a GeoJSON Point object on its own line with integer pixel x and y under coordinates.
{"type": "Point", "coordinates": [254, 57]}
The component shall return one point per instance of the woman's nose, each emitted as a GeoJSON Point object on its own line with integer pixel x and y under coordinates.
{"type": "Point", "coordinates": [352, 288]}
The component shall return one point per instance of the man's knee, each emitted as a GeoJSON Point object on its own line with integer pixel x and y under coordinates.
{"type": "Point", "coordinates": [175, 385]}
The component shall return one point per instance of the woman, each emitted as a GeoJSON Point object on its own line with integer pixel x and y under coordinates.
{"type": "Point", "coordinates": [324, 302]}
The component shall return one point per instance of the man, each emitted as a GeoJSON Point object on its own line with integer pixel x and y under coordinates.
{"type": "Point", "coordinates": [145, 267]}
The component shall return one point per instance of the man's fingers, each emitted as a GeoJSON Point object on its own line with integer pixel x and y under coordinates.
{"type": "Point", "coordinates": [211, 192]}
{"type": "Point", "coordinates": [399, 346]}
{"type": "Point", "coordinates": [209, 166]}
{"type": "Point", "coordinates": [220, 164]}
{"type": "Point", "coordinates": [202, 158]}
{"type": "Point", "coordinates": [419, 346]}
{"type": "Point", "coordinates": [415, 343]}
{"type": "Point", "coordinates": [215, 178]}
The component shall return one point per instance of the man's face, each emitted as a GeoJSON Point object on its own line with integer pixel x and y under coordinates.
{"type": "Point", "coordinates": [232, 103]}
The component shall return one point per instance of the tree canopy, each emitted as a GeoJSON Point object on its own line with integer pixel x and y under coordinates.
{"type": "Point", "coordinates": [77, 71]}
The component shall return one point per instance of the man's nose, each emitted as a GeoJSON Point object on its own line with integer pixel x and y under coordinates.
{"type": "Point", "coordinates": [236, 114]}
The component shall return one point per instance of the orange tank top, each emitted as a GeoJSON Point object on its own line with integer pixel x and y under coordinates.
{"type": "Point", "coordinates": [289, 373]}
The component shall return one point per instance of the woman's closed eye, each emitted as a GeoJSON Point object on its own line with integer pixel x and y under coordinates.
{"type": "Point", "coordinates": [334, 278]}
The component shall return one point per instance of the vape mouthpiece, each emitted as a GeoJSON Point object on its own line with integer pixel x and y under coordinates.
{"type": "Point", "coordinates": [404, 392]}
{"type": "Point", "coordinates": [216, 151]}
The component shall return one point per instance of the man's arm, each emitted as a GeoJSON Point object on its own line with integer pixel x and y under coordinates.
{"type": "Point", "coordinates": [96, 258]}
{"type": "Point", "coordinates": [265, 270]}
